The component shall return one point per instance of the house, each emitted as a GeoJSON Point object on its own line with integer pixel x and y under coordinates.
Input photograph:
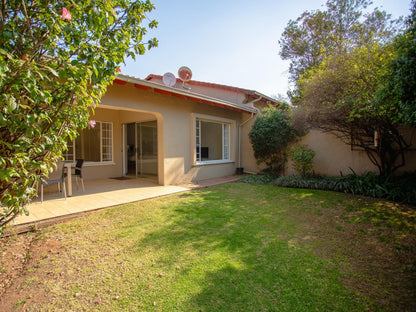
{"type": "Point", "coordinates": [185, 132]}
{"type": "Point", "coordinates": [189, 131]}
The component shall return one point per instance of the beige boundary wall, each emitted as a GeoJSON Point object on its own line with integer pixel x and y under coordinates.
{"type": "Point", "coordinates": [333, 157]}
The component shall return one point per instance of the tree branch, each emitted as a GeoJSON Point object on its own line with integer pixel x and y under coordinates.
{"type": "Point", "coordinates": [3, 15]}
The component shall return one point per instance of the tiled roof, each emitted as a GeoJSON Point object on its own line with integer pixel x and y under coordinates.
{"type": "Point", "coordinates": [252, 93]}
{"type": "Point", "coordinates": [205, 84]}
{"type": "Point", "coordinates": [180, 93]}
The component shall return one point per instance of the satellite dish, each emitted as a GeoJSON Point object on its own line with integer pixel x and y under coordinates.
{"type": "Point", "coordinates": [169, 79]}
{"type": "Point", "coordinates": [185, 74]}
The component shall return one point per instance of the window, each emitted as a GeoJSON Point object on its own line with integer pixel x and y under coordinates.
{"type": "Point", "coordinates": [92, 144]}
{"type": "Point", "coordinates": [212, 140]}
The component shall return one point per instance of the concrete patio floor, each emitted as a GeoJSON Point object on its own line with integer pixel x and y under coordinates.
{"type": "Point", "coordinates": [99, 194]}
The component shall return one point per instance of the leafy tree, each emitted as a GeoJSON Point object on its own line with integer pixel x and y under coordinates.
{"type": "Point", "coordinates": [338, 70]}
{"type": "Point", "coordinates": [338, 97]}
{"type": "Point", "coordinates": [399, 82]}
{"type": "Point", "coordinates": [343, 26]}
{"type": "Point", "coordinates": [270, 135]}
{"type": "Point", "coordinates": [57, 58]}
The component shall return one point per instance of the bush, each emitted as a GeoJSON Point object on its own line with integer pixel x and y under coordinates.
{"type": "Point", "coordinates": [260, 179]}
{"type": "Point", "coordinates": [302, 158]}
{"type": "Point", "coordinates": [309, 182]}
{"type": "Point", "coordinates": [270, 135]}
{"type": "Point", "coordinates": [400, 189]}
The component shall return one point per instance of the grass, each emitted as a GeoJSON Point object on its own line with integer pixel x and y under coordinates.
{"type": "Point", "coordinates": [235, 247]}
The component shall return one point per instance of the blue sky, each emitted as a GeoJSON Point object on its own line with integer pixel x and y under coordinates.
{"type": "Point", "coordinates": [231, 42]}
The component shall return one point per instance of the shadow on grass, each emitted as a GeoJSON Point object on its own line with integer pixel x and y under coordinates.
{"type": "Point", "coordinates": [236, 254]}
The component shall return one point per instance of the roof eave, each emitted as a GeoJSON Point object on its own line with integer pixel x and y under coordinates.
{"type": "Point", "coordinates": [162, 89]}
{"type": "Point", "coordinates": [270, 100]}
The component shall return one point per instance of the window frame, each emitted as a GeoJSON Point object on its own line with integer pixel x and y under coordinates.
{"type": "Point", "coordinates": [229, 137]}
{"type": "Point", "coordinates": [109, 139]}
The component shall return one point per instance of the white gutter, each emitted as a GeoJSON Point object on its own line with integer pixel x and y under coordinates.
{"type": "Point", "coordinates": [242, 124]}
{"type": "Point", "coordinates": [265, 97]}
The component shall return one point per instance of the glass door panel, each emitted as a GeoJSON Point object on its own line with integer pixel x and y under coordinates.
{"type": "Point", "coordinates": [146, 145]}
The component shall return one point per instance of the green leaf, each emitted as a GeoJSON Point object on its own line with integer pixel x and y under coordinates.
{"type": "Point", "coordinates": [52, 71]}
{"type": "Point", "coordinates": [70, 62]}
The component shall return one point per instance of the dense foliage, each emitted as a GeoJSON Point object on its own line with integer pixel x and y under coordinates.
{"type": "Point", "coordinates": [56, 60]}
{"type": "Point", "coordinates": [343, 26]}
{"type": "Point", "coordinates": [270, 135]}
{"type": "Point", "coordinates": [338, 97]}
{"type": "Point", "coordinates": [341, 92]}
{"type": "Point", "coordinates": [260, 179]}
{"type": "Point", "coordinates": [400, 189]}
{"type": "Point", "coordinates": [399, 82]}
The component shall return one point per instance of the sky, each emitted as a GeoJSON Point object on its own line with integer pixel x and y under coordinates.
{"type": "Point", "coordinates": [230, 42]}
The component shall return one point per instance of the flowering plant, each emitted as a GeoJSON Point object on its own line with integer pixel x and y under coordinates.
{"type": "Point", "coordinates": [57, 58]}
{"type": "Point", "coordinates": [92, 124]}
{"type": "Point", "coordinates": [66, 14]}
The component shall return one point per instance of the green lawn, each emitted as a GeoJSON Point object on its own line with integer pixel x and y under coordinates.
{"type": "Point", "coordinates": [235, 247]}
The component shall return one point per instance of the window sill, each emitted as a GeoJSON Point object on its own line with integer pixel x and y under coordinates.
{"type": "Point", "coordinates": [213, 162]}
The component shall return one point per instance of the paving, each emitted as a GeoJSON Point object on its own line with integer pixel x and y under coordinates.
{"type": "Point", "coordinates": [99, 194]}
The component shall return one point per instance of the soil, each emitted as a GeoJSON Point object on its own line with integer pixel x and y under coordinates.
{"type": "Point", "coordinates": [19, 256]}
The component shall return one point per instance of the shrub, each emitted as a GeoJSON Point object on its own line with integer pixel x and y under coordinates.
{"type": "Point", "coordinates": [270, 135]}
{"type": "Point", "coordinates": [400, 189]}
{"type": "Point", "coordinates": [302, 158]}
{"type": "Point", "coordinates": [261, 179]}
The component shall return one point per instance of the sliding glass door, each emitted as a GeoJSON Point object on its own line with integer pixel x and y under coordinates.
{"type": "Point", "coordinates": [141, 146]}
{"type": "Point", "coordinates": [146, 144]}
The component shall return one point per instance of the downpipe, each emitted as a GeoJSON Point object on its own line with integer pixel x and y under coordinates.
{"type": "Point", "coordinates": [239, 169]}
